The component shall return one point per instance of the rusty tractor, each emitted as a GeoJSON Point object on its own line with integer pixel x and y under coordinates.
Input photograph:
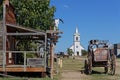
{"type": "Point", "coordinates": [100, 55]}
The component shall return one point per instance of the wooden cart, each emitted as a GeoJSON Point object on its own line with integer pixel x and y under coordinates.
{"type": "Point", "coordinates": [100, 55]}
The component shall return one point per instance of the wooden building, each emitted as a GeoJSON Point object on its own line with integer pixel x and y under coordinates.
{"type": "Point", "coordinates": [12, 59]}
{"type": "Point", "coordinates": [10, 37]}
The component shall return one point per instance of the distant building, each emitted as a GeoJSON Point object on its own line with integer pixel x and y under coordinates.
{"type": "Point", "coordinates": [117, 50]}
{"type": "Point", "coordinates": [76, 47]}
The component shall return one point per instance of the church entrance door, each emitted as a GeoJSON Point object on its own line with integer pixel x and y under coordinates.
{"type": "Point", "coordinates": [77, 53]}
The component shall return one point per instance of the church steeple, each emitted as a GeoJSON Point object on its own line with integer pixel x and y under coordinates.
{"type": "Point", "coordinates": [76, 35]}
{"type": "Point", "coordinates": [76, 30]}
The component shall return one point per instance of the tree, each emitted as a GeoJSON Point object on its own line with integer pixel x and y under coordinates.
{"type": "Point", "coordinates": [84, 52]}
{"type": "Point", "coordinates": [1, 9]}
{"type": "Point", "coordinates": [34, 13]}
{"type": "Point", "coordinates": [70, 52]}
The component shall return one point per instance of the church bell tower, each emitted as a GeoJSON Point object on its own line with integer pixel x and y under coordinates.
{"type": "Point", "coordinates": [76, 36]}
{"type": "Point", "coordinates": [77, 50]}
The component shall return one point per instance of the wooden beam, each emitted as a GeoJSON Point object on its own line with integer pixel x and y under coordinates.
{"type": "Point", "coordinates": [53, 31]}
{"type": "Point", "coordinates": [20, 69]}
{"type": "Point", "coordinates": [27, 38]}
{"type": "Point", "coordinates": [24, 34]}
{"type": "Point", "coordinates": [21, 51]}
{"type": "Point", "coordinates": [24, 28]}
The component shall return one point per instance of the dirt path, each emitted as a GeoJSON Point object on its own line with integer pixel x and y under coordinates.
{"type": "Point", "coordinates": [73, 75]}
{"type": "Point", "coordinates": [73, 70]}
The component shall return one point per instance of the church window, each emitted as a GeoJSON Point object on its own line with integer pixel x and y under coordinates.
{"type": "Point", "coordinates": [76, 46]}
{"type": "Point", "coordinates": [76, 38]}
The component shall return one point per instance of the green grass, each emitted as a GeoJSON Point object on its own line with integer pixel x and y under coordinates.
{"type": "Point", "coordinates": [72, 64]}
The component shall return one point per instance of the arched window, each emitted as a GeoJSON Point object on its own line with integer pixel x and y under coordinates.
{"type": "Point", "coordinates": [76, 46]}
{"type": "Point", "coordinates": [76, 38]}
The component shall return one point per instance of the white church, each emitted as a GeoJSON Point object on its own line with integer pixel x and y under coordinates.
{"type": "Point", "coordinates": [76, 47]}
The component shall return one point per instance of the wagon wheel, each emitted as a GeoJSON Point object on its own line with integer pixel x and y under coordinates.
{"type": "Point", "coordinates": [90, 64]}
{"type": "Point", "coordinates": [106, 70]}
{"type": "Point", "coordinates": [86, 66]}
{"type": "Point", "coordinates": [112, 64]}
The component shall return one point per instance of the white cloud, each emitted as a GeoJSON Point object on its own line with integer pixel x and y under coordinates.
{"type": "Point", "coordinates": [66, 6]}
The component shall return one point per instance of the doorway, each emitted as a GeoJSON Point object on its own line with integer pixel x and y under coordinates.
{"type": "Point", "coordinates": [77, 53]}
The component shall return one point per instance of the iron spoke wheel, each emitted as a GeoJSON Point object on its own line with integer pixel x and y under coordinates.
{"type": "Point", "coordinates": [86, 66]}
{"type": "Point", "coordinates": [106, 70]}
{"type": "Point", "coordinates": [112, 64]}
{"type": "Point", "coordinates": [90, 64]}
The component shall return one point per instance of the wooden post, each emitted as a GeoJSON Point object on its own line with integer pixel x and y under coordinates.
{"type": "Point", "coordinates": [4, 36]}
{"type": "Point", "coordinates": [61, 63]}
{"type": "Point", "coordinates": [57, 66]}
{"type": "Point", "coordinates": [25, 61]}
{"type": "Point", "coordinates": [45, 63]}
{"type": "Point", "coordinates": [51, 59]}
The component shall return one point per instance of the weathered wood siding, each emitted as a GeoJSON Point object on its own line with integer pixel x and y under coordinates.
{"type": "Point", "coordinates": [10, 15]}
{"type": "Point", "coordinates": [1, 43]}
{"type": "Point", "coordinates": [10, 18]}
{"type": "Point", "coordinates": [1, 38]}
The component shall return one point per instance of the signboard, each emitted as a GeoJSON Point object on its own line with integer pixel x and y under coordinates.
{"type": "Point", "coordinates": [35, 61]}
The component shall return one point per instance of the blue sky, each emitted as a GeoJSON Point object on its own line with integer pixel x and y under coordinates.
{"type": "Point", "coordinates": [95, 19]}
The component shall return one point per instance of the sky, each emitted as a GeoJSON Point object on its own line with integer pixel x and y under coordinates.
{"type": "Point", "coordinates": [95, 19]}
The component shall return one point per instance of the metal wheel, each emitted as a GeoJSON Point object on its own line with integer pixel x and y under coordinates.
{"type": "Point", "coordinates": [106, 70]}
{"type": "Point", "coordinates": [86, 66]}
{"type": "Point", "coordinates": [106, 67]}
{"type": "Point", "coordinates": [112, 64]}
{"type": "Point", "coordinates": [90, 65]}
